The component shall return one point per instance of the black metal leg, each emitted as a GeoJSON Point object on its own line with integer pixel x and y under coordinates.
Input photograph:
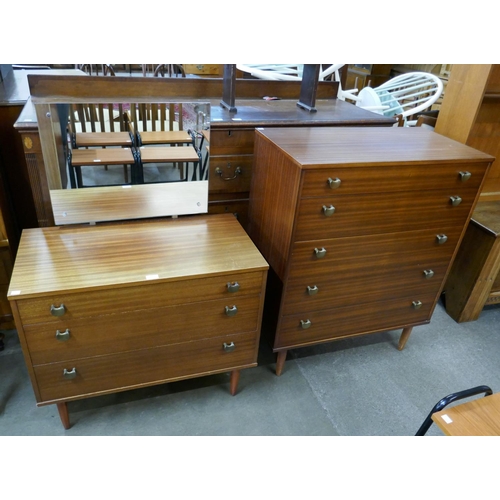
{"type": "Point", "coordinates": [79, 179]}
{"type": "Point", "coordinates": [137, 171]}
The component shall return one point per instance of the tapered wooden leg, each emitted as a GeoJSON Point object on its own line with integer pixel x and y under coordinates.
{"type": "Point", "coordinates": [280, 362]}
{"type": "Point", "coordinates": [233, 384]}
{"type": "Point", "coordinates": [62, 408]}
{"type": "Point", "coordinates": [405, 335]}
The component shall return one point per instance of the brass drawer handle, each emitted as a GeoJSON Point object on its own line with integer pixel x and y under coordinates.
{"type": "Point", "coordinates": [312, 290]}
{"type": "Point", "coordinates": [455, 200]}
{"type": "Point", "coordinates": [320, 252]}
{"type": "Point", "coordinates": [231, 311]}
{"type": "Point", "coordinates": [428, 273]}
{"type": "Point", "coordinates": [305, 324]}
{"type": "Point", "coordinates": [464, 176]}
{"type": "Point", "coordinates": [334, 183]}
{"type": "Point", "coordinates": [62, 337]}
{"type": "Point", "coordinates": [228, 347]}
{"type": "Point", "coordinates": [417, 304]}
{"type": "Point", "coordinates": [441, 238]}
{"type": "Point", "coordinates": [57, 311]}
{"type": "Point", "coordinates": [69, 375]}
{"type": "Point", "coordinates": [328, 211]}
{"type": "Point", "coordinates": [237, 172]}
{"type": "Point", "coordinates": [233, 287]}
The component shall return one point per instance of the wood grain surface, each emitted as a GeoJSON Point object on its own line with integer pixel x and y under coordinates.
{"type": "Point", "coordinates": [73, 259]}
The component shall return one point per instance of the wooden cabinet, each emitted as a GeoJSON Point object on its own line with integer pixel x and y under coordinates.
{"type": "Point", "coordinates": [101, 309]}
{"type": "Point", "coordinates": [359, 226]}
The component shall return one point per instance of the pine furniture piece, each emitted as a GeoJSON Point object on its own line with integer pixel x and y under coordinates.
{"type": "Point", "coordinates": [359, 226]}
{"type": "Point", "coordinates": [474, 280]}
{"type": "Point", "coordinates": [478, 417]}
{"type": "Point", "coordinates": [107, 308]}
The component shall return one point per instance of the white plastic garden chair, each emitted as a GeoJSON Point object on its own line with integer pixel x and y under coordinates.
{"type": "Point", "coordinates": [403, 95]}
{"type": "Point", "coordinates": [293, 72]}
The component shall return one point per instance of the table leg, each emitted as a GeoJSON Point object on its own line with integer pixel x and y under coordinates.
{"type": "Point", "coordinates": [62, 408]}
{"type": "Point", "coordinates": [233, 384]}
{"type": "Point", "coordinates": [405, 335]}
{"type": "Point", "coordinates": [280, 362]}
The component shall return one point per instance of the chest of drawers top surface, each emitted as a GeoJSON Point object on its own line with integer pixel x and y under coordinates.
{"type": "Point", "coordinates": [315, 147]}
{"type": "Point", "coordinates": [73, 259]}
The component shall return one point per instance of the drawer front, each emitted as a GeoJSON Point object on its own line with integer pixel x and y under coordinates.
{"type": "Point", "coordinates": [342, 322]}
{"type": "Point", "coordinates": [134, 298]}
{"type": "Point", "coordinates": [133, 369]}
{"type": "Point", "coordinates": [230, 174]}
{"type": "Point", "coordinates": [380, 213]}
{"type": "Point", "coordinates": [329, 257]}
{"type": "Point", "coordinates": [391, 179]}
{"type": "Point", "coordinates": [99, 335]}
{"type": "Point", "coordinates": [366, 269]}
{"type": "Point", "coordinates": [231, 142]}
{"type": "Point", "coordinates": [371, 284]}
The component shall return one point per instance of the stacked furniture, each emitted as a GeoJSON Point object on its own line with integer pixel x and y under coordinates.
{"type": "Point", "coordinates": [120, 134]}
{"type": "Point", "coordinates": [231, 134]}
{"type": "Point", "coordinates": [99, 126]}
{"type": "Point", "coordinates": [359, 226]}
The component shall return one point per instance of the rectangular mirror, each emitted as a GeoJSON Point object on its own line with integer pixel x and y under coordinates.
{"type": "Point", "coordinates": [110, 157]}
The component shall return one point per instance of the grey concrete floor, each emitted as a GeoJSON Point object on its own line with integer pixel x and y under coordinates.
{"type": "Point", "coordinates": [357, 387]}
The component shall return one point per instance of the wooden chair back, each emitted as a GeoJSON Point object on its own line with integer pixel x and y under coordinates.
{"type": "Point", "coordinates": [98, 118]}
{"type": "Point", "coordinates": [163, 117]}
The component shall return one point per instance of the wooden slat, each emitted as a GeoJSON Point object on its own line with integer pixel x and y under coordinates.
{"type": "Point", "coordinates": [93, 157]}
{"type": "Point", "coordinates": [168, 154]}
{"type": "Point", "coordinates": [166, 137]}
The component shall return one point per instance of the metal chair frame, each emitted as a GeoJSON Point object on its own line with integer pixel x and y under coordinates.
{"type": "Point", "coordinates": [443, 403]}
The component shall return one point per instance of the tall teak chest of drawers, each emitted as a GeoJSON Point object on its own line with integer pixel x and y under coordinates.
{"type": "Point", "coordinates": [101, 309]}
{"type": "Point", "coordinates": [359, 226]}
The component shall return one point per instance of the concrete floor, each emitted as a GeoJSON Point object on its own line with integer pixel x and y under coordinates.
{"type": "Point", "coordinates": [357, 387]}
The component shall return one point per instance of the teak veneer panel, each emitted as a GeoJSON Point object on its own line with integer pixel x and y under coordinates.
{"type": "Point", "coordinates": [143, 367]}
{"type": "Point", "coordinates": [100, 335]}
{"type": "Point", "coordinates": [100, 302]}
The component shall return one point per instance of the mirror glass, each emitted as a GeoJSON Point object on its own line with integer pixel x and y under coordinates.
{"type": "Point", "coordinates": [125, 160]}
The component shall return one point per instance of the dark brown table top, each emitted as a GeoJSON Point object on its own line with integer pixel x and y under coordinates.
{"type": "Point", "coordinates": [259, 112]}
